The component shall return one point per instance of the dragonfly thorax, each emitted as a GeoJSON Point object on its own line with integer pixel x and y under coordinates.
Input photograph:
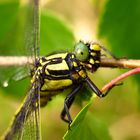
{"type": "Point", "coordinates": [59, 71]}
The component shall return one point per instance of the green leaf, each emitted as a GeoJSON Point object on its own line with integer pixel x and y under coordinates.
{"type": "Point", "coordinates": [8, 15]}
{"type": "Point", "coordinates": [8, 9]}
{"type": "Point", "coordinates": [56, 36]}
{"type": "Point", "coordinates": [85, 126]}
{"type": "Point", "coordinates": [120, 27]}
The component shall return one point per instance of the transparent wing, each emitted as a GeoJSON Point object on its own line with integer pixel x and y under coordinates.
{"type": "Point", "coordinates": [26, 123]}
{"type": "Point", "coordinates": [36, 28]}
{"type": "Point", "coordinates": [32, 35]}
{"type": "Point", "coordinates": [26, 39]}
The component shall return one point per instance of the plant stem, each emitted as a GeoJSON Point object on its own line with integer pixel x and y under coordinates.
{"type": "Point", "coordinates": [105, 62]}
{"type": "Point", "coordinates": [15, 60]}
{"type": "Point", "coordinates": [119, 78]}
{"type": "Point", "coordinates": [120, 63]}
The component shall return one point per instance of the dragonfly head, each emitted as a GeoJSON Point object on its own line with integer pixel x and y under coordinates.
{"type": "Point", "coordinates": [88, 54]}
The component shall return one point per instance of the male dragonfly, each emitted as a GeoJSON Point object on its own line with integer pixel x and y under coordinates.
{"type": "Point", "coordinates": [50, 75]}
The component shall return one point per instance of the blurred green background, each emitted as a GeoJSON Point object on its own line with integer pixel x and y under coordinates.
{"type": "Point", "coordinates": [114, 23]}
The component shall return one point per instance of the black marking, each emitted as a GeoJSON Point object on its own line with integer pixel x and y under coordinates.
{"type": "Point", "coordinates": [67, 104]}
{"type": "Point", "coordinates": [58, 72]}
{"type": "Point", "coordinates": [50, 77]}
{"type": "Point", "coordinates": [44, 59]}
{"type": "Point", "coordinates": [57, 59]}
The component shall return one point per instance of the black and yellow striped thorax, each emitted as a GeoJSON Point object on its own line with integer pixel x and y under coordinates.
{"type": "Point", "coordinates": [59, 71]}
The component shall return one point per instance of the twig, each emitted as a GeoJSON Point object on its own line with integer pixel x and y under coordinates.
{"type": "Point", "coordinates": [105, 62]}
{"type": "Point", "coordinates": [120, 63]}
{"type": "Point", "coordinates": [15, 60]}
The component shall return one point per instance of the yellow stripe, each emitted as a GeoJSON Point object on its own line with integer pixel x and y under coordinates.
{"type": "Point", "coordinates": [56, 84]}
{"type": "Point", "coordinates": [82, 73]}
{"type": "Point", "coordinates": [59, 66]}
{"type": "Point", "coordinates": [91, 61]}
{"type": "Point", "coordinates": [75, 64]}
{"type": "Point", "coordinates": [97, 61]}
{"type": "Point", "coordinates": [93, 54]}
{"type": "Point", "coordinates": [62, 55]}
{"type": "Point", "coordinates": [95, 47]}
{"type": "Point", "coordinates": [89, 65]}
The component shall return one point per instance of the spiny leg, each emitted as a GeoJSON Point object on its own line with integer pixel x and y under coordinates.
{"type": "Point", "coordinates": [63, 113]}
{"type": "Point", "coordinates": [67, 104]}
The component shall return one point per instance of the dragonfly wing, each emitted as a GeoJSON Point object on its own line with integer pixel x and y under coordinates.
{"type": "Point", "coordinates": [33, 29]}
{"type": "Point", "coordinates": [26, 124]}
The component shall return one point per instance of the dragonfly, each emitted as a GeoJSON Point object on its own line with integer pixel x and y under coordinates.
{"type": "Point", "coordinates": [50, 76]}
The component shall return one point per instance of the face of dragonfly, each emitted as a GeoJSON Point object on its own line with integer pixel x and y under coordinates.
{"type": "Point", "coordinates": [25, 124]}
{"type": "Point", "coordinates": [88, 54]}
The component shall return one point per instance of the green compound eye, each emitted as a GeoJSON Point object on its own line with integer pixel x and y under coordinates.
{"type": "Point", "coordinates": [81, 51]}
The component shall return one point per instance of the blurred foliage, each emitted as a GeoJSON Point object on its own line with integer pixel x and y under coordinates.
{"type": "Point", "coordinates": [119, 25]}
{"type": "Point", "coordinates": [54, 31]}
{"type": "Point", "coordinates": [118, 29]}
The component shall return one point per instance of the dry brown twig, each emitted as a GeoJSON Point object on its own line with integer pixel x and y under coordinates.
{"type": "Point", "coordinates": [105, 62]}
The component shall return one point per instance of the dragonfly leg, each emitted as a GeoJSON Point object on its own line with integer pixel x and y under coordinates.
{"type": "Point", "coordinates": [96, 90]}
{"type": "Point", "coordinates": [63, 113]}
{"type": "Point", "coordinates": [67, 104]}
{"type": "Point", "coordinates": [94, 87]}
{"type": "Point", "coordinates": [109, 89]}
